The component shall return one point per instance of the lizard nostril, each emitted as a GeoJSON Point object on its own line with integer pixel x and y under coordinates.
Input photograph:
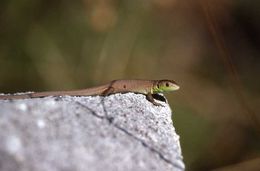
{"type": "Point", "coordinates": [124, 86]}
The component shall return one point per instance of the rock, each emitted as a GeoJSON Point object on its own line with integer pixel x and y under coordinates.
{"type": "Point", "coordinates": [119, 132]}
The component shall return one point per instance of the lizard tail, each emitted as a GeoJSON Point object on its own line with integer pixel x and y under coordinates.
{"type": "Point", "coordinates": [82, 92]}
{"type": "Point", "coordinates": [100, 90]}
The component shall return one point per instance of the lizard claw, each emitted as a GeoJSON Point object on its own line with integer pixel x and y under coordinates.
{"type": "Point", "coordinates": [157, 104]}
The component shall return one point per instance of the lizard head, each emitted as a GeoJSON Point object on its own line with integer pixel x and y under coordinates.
{"type": "Point", "coordinates": [165, 86]}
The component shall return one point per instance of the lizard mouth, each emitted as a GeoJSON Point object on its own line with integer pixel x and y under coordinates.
{"type": "Point", "coordinates": [176, 87]}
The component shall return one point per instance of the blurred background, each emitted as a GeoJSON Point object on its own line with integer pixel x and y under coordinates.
{"type": "Point", "coordinates": [210, 47]}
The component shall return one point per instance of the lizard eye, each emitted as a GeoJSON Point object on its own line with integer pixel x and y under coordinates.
{"type": "Point", "coordinates": [167, 84]}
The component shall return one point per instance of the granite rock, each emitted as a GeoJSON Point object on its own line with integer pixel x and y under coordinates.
{"type": "Point", "coordinates": [118, 132]}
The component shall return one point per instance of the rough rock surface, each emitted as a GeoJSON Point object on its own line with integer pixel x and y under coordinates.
{"type": "Point", "coordinates": [119, 132]}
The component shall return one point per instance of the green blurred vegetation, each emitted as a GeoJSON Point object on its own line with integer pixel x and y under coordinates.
{"type": "Point", "coordinates": [60, 45]}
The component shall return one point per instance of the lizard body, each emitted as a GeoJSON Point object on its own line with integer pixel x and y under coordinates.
{"type": "Point", "coordinates": [146, 87]}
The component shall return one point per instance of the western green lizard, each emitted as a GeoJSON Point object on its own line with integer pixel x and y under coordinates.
{"type": "Point", "coordinates": [146, 87]}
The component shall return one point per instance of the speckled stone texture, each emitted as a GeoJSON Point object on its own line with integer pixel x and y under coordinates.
{"type": "Point", "coordinates": [121, 132]}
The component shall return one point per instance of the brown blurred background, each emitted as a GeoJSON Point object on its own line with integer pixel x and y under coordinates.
{"type": "Point", "coordinates": [210, 47]}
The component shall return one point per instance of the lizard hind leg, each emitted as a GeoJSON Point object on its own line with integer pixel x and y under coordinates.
{"type": "Point", "coordinates": [108, 91]}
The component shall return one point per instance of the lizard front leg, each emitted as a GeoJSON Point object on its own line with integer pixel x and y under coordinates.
{"type": "Point", "coordinates": [150, 98]}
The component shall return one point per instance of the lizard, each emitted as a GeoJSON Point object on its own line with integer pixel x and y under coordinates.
{"type": "Point", "coordinates": [146, 87]}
